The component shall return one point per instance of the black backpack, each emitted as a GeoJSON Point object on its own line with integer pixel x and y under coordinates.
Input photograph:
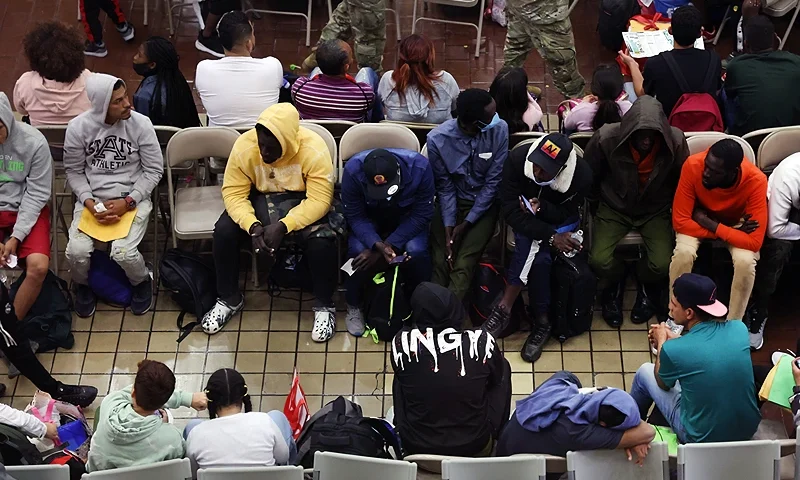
{"type": "Point", "coordinates": [49, 321]}
{"type": "Point", "coordinates": [613, 20]}
{"type": "Point", "coordinates": [340, 427]}
{"type": "Point", "coordinates": [488, 286]}
{"type": "Point", "coordinates": [573, 286]}
{"type": "Point", "coordinates": [387, 307]}
{"type": "Point", "coordinates": [193, 284]}
{"type": "Point", "coordinates": [16, 449]}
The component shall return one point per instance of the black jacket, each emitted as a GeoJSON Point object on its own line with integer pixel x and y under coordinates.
{"type": "Point", "coordinates": [559, 201]}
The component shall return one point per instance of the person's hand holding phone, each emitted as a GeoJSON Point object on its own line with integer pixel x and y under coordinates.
{"type": "Point", "coordinates": [565, 243]}
{"type": "Point", "coordinates": [400, 259]}
{"type": "Point", "coordinates": [386, 250]}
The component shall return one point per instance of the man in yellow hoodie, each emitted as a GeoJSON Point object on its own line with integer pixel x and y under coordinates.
{"type": "Point", "coordinates": [266, 165]}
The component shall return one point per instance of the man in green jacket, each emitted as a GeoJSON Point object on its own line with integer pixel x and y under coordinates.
{"type": "Point", "coordinates": [636, 165]}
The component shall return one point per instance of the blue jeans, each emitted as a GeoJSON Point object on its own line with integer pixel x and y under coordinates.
{"type": "Point", "coordinates": [369, 76]}
{"type": "Point", "coordinates": [415, 271]}
{"type": "Point", "coordinates": [539, 270]}
{"type": "Point", "coordinates": [280, 420]}
{"type": "Point", "coordinates": [628, 88]}
{"type": "Point", "coordinates": [729, 107]}
{"type": "Point", "coordinates": [645, 391]}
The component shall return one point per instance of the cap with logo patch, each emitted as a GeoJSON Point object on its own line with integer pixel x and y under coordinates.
{"type": "Point", "coordinates": [551, 153]}
{"type": "Point", "coordinates": [383, 174]}
{"type": "Point", "coordinates": [693, 290]}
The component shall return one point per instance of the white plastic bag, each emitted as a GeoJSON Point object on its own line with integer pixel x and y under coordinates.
{"type": "Point", "coordinates": [499, 12]}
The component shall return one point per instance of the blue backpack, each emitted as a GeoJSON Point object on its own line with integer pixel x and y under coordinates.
{"type": "Point", "coordinates": [108, 280]}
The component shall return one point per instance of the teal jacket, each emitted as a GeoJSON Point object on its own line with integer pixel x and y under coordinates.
{"type": "Point", "coordinates": [125, 439]}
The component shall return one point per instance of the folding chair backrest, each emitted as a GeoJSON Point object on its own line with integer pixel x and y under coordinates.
{"type": "Point", "coordinates": [326, 135]}
{"type": "Point", "coordinates": [421, 130]}
{"type": "Point", "coordinates": [336, 127]}
{"type": "Point", "coordinates": [338, 466]}
{"type": "Point", "coordinates": [518, 467]}
{"type": "Point", "coordinates": [751, 460]}
{"type": "Point", "coordinates": [521, 137]}
{"type": "Point", "coordinates": [200, 142]}
{"type": "Point", "coordinates": [614, 465]}
{"type": "Point", "coordinates": [54, 134]}
{"type": "Point", "coordinates": [365, 136]}
{"type": "Point", "coordinates": [755, 137]}
{"type": "Point", "coordinates": [702, 142]}
{"type": "Point", "coordinates": [251, 473]}
{"type": "Point", "coordinates": [526, 144]}
{"type": "Point", "coordinates": [424, 151]}
{"type": "Point", "coordinates": [39, 472]}
{"type": "Point", "coordinates": [169, 470]}
{"type": "Point", "coordinates": [581, 139]}
{"type": "Point", "coordinates": [777, 146]}
{"type": "Point", "coordinates": [164, 133]}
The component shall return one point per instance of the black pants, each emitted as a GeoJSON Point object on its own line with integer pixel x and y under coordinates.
{"type": "Point", "coordinates": [21, 354]}
{"type": "Point", "coordinates": [90, 16]}
{"type": "Point", "coordinates": [775, 254]}
{"type": "Point", "coordinates": [321, 255]}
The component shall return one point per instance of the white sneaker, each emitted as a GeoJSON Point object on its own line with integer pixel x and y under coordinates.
{"type": "Point", "coordinates": [776, 356]}
{"type": "Point", "coordinates": [324, 324]}
{"type": "Point", "coordinates": [219, 315]}
{"type": "Point", "coordinates": [355, 321]}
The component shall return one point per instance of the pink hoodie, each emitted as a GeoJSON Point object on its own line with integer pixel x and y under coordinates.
{"type": "Point", "coordinates": [48, 102]}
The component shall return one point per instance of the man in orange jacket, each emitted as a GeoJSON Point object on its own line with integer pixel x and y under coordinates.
{"type": "Point", "coordinates": [720, 196]}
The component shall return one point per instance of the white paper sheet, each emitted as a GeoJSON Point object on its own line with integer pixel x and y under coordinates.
{"type": "Point", "coordinates": [651, 43]}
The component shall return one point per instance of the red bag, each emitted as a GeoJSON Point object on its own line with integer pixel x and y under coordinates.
{"type": "Point", "coordinates": [296, 407]}
{"type": "Point", "coordinates": [695, 111]}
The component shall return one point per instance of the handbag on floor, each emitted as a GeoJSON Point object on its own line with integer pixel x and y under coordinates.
{"type": "Point", "coordinates": [193, 284]}
{"type": "Point", "coordinates": [387, 307]}
{"type": "Point", "coordinates": [573, 286]}
{"type": "Point", "coordinates": [48, 323]}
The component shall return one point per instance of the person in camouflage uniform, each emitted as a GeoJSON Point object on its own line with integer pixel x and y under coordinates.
{"type": "Point", "coordinates": [545, 25]}
{"type": "Point", "coordinates": [364, 20]}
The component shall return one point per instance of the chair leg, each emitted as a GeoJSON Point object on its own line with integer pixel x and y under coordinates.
{"type": "Point", "coordinates": [396, 22]}
{"type": "Point", "coordinates": [414, 18]}
{"type": "Point", "coordinates": [145, 11]}
{"type": "Point", "coordinates": [789, 28]}
{"type": "Point", "coordinates": [154, 213]}
{"type": "Point", "coordinates": [199, 14]}
{"type": "Point", "coordinates": [308, 23]}
{"type": "Point", "coordinates": [254, 269]}
{"type": "Point", "coordinates": [480, 30]}
{"type": "Point", "coordinates": [330, 9]}
{"type": "Point", "coordinates": [725, 19]}
{"type": "Point", "coordinates": [79, 10]}
{"type": "Point", "coordinates": [168, 4]}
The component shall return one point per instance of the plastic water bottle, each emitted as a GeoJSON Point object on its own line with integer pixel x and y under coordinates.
{"type": "Point", "coordinates": [575, 236]}
{"type": "Point", "coordinates": [676, 329]}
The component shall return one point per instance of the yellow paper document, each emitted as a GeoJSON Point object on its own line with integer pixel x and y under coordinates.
{"type": "Point", "coordinates": [106, 233]}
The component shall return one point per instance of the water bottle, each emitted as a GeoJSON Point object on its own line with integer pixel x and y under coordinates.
{"type": "Point", "coordinates": [576, 236]}
{"type": "Point", "coordinates": [676, 329]}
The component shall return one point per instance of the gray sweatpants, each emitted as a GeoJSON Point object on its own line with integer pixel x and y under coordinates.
{"type": "Point", "coordinates": [124, 251]}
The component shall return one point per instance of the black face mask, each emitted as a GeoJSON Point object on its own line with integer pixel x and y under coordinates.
{"type": "Point", "coordinates": [143, 69]}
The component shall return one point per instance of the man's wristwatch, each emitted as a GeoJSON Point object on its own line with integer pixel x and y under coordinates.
{"type": "Point", "coordinates": [130, 202]}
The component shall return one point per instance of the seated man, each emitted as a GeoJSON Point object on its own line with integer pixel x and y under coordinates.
{"type": "Point", "coordinates": [636, 165]}
{"type": "Point", "coordinates": [702, 382]}
{"type": "Point", "coordinates": [27, 180]}
{"type": "Point", "coordinates": [112, 157]}
{"type": "Point", "coordinates": [278, 186]}
{"type": "Point", "coordinates": [133, 426]}
{"type": "Point", "coordinates": [721, 196]}
{"type": "Point", "coordinates": [694, 64]}
{"type": "Point", "coordinates": [783, 230]}
{"type": "Point", "coordinates": [330, 93]}
{"type": "Point", "coordinates": [755, 81]}
{"type": "Point", "coordinates": [388, 205]}
{"type": "Point", "coordinates": [558, 418]}
{"type": "Point", "coordinates": [236, 89]}
{"type": "Point", "coordinates": [447, 401]}
{"type": "Point", "coordinates": [467, 155]}
{"type": "Point", "coordinates": [555, 181]}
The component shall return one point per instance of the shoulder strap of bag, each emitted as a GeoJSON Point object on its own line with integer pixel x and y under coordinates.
{"type": "Point", "coordinates": [676, 71]}
{"type": "Point", "coordinates": [709, 79]}
{"type": "Point", "coordinates": [394, 290]}
{"type": "Point", "coordinates": [389, 437]}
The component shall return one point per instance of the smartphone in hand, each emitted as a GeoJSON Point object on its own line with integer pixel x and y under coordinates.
{"type": "Point", "coordinates": [399, 259]}
{"type": "Point", "coordinates": [527, 204]}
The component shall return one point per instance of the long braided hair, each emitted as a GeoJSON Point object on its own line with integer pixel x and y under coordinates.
{"type": "Point", "coordinates": [179, 110]}
{"type": "Point", "coordinates": [227, 387]}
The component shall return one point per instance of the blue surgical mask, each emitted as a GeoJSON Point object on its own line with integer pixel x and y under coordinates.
{"type": "Point", "coordinates": [544, 184]}
{"type": "Point", "coordinates": [485, 127]}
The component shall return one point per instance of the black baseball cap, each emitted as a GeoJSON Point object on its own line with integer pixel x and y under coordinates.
{"type": "Point", "coordinates": [693, 290]}
{"type": "Point", "coordinates": [551, 153]}
{"type": "Point", "coordinates": [383, 174]}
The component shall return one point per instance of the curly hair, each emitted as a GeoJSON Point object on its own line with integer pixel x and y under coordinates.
{"type": "Point", "coordinates": [55, 51]}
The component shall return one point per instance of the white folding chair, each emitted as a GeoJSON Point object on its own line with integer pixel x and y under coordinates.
{"type": "Point", "coordinates": [581, 139]}
{"type": "Point", "coordinates": [251, 473]}
{"type": "Point", "coordinates": [54, 134]}
{"type": "Point", "coordinates": [751, 460]}
{"type": "Point", "coordinates": [169, 470]}
{"type": "Point", "coordinates": [170, 8]}
{"type": "Point", "coordinates": [393, 11]}
{"type": "Point", "coordinates": [453, 3]}
{"type": "Point", "coordinates": [518, 467]}
{"type": "Point", "coordinates": [39, 472]}
{"type": "Point", "coordinates": [776, 146]}
{"type": "Point", "coordinates": [523, 137]}
{"type": "Point", "coordinates": [614, 465]}
{"type": "Point", "coordinates": [338, 466]}
{"type": "Point", "coordinates": [424, 151]}
{"type": "Point", "coordinates": [195, 210]}
{"type": "Point", "coordinates": [702, 141]}
{"type": "Point", "coordinates": [421, 130]}
{"type": "Point", "coordinates": [247, 7]}
{"type": "Point", "coordinates": [779, 9]}
{"type": "Point", "coordinates": [366, 136]}
{"type": "Point", "coordinates": [327, 137]}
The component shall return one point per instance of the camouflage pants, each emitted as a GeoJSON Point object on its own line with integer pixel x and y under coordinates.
{"type": "Point", "coordinates": [555, 44]}
{"type": "Point", "coordinates": [365, 21]}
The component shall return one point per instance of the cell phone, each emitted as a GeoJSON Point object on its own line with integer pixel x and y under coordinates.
{"type": "Point", "coordinates": [527, 204]}
{"type": "Point", "coordinates": [399, 259]}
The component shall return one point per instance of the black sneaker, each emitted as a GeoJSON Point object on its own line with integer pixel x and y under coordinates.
{"type": "Point", "coordinates": [93, 49]}
{"type": "Point", "coordinates": [85, 300]}
{"type": "Point", "coordinates": [532, 349]}
{"type": "Point", "coordinates": [611, 302]}
{"type": "Point", "coordinates": [210, 45]}
{"type": "Point", "coordinates": [80, 395]}
{"type": "Point", "coordinates": [646, 306]}
{"type": "Point", "coordinates": [497, 322]}
{"type": "Point", "coordinates": [142, 299]}
{"type": "Point", "coordinates": [127, 31]}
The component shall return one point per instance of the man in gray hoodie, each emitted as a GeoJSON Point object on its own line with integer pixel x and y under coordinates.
{"type": "Point", "coordinates": [112, 158]}
{"type": "Point", "coordinates": [26, 179]}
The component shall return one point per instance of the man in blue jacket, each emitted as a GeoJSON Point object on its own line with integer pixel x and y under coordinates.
{"type": "Point", "coordinates": [388, 204]}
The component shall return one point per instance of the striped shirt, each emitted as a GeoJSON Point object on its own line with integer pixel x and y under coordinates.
{"type": "Point", "coordinates": [332, 98]}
